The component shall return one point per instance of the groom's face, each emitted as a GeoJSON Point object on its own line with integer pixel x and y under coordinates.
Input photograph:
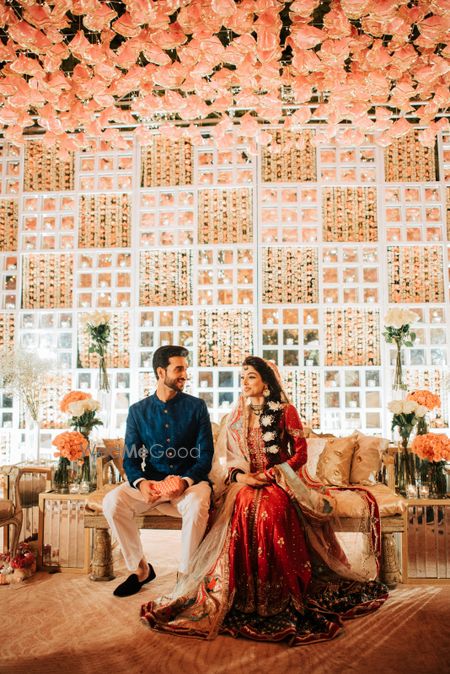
{"type": "Point", "coordinates": [175, 375]}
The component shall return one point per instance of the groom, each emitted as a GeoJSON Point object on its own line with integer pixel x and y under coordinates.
{"type": "Point", "coordinates": [168, 455]}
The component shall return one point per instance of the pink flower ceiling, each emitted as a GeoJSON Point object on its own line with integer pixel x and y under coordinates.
{"type": "Point", "coordinates": [76, 68]}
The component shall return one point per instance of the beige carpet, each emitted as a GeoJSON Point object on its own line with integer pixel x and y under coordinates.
{"type": "Point", "coordinates": [65, 623]}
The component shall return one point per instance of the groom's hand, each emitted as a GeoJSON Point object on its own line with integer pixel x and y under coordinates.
{"type": "Point", "coordinates": [173, 486]}
{"type": "Point", "coordinates": [148, 491]}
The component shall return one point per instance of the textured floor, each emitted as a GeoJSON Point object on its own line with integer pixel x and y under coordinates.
{"type": "Point", "coordinates": [65, 623]}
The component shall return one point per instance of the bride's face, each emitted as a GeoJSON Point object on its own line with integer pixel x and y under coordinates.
{"type": "Point", "coordinates": [251, 382]}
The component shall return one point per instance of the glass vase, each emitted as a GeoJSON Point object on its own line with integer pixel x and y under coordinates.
{"type": "Point", "coordinates": [433, 475]}
{"type": "Point", "coordinates": [61, 476]}
{"type": "Point", "coordinates": [405, 470]}
{"type": "Point", "coordinates": [422, 426]}
{"type": "Point", "coordinates": [85, 475]}
{"type": "Point", "coordinates": [398, 384]}
{"type": "Point", "coordinates": [103, 379]}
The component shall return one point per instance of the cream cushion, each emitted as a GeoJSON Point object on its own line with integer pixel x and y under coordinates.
{"type": "Point", "coordinates": [334, 463]}
{"type": "Point", "coordinates": [366, 460]}
{"type": "Point", "coordinates": [315, 448]}
{"type": "Point", "coordinates": [350, 504]}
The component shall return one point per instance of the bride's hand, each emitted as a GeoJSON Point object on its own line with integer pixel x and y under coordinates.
{"type": "Point", "coordinates": [252, 479]}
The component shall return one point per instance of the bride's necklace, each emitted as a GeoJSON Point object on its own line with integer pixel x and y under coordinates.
{"type": "Point", "coordinates": [257, 409]}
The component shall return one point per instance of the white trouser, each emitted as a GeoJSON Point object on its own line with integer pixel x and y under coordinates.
{"type": "Point", "coordinates": [121, 505]}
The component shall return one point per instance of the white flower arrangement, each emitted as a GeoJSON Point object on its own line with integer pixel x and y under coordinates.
{"type": "Point", "coordinates": [273, 449]}
{"type": "Point", "coordinates": [268, 436]}
{"type": "Point", "coordinates": [99, 329]}
{"type": "Point", "coordinates": [274, 406]}
{"type": "Point", "coordinates": [397, 331]}
{"type": "Point", "coordinates": [97, 318]}
{"type": "Point", "coordinates": [407, 407]}
{"type": "Point", "coordinates": [397, 318]}
{"type": "Point", "coordinates": [267, 419]}
{"type": "Point", "coordinates": [79, 407]}
{"type": "Point", "coordinates": [406, 415]}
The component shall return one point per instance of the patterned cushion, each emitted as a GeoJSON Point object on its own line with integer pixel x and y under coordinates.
{"type": "Point", "coordinates": [366, 460]}
{"type": "Point", "coordinates": [334, 463]}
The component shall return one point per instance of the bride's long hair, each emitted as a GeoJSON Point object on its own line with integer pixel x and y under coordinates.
{"type": "Point", "coordinates": [269, 419]}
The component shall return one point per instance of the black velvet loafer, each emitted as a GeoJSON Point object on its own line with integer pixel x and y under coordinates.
{"type": "Point", "coordinates": [132, 584]}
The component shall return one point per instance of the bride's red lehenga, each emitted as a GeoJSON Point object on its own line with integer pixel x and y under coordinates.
{"type": "Point", "coordinates": [265, 585]}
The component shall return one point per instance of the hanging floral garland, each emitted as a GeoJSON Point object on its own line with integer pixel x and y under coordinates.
{"type": "Point", "coordinates": [72, 68]}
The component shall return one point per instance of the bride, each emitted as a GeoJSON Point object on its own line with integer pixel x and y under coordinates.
{"type": "Point", "coordinates": [271, 567]}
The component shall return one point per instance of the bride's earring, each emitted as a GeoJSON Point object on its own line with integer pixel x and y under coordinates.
{"type": "Point", "coordinates": [266, 392]}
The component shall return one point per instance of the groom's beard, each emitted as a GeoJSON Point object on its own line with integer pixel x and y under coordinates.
{"type": "Point", "coordinates": [176, 384]}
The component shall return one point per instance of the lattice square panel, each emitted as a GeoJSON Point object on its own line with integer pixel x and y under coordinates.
{"type": "Point", "coordinates": [104, 170]}
{"type": "Point", "coordinates": [165, 278]}
{"type": "Point", "coordinates": [290, 336]}
{"type": "Point", "coordinates": [163, 327]}
{"type": "Point", "coordinates": [225, 337]}
{"type": "Point", "coordinates": [290, 214]}
{"type": "Point", "coordinates": [104, 280]}
{"type": "Point", "coordinates": [294, 160]}
{"type": "Point", "coordinates": [350, 275]}
{"type": "Point", "coordinates": [49, 334]}
{"type": "Point", "coordinates": [7, 329]}
{"type": "Point", "coordinates": [47, 281]}
{"type": "Point", "coordinates": [45, 170]}
{"type": "Point", "coordinates": [347, 164]}
{"type": "Point", "coordinates": [415, 273]}
{"type": "Point", "coordinates": [290, 275]}
{"type": "Point", "coordinates": [406, 160]}
{"type": "Point", "coordinates": [166, 218]}
{"type": "Point", "coordinates": [225, 216]}
{"type": "Point", "coordinates": [231, 166]}
{"type": "Point", "coordinates": [413, 213]}
{"type": "Point", "coordinates": [225, 276]}
{"type": "Point", "coordinates": [166, 162]}
{"type": "Point", "coordinates": [8, 282]}
{"type": "Point", "coordinates": [48, 222]}
{"type": "Point", "coordinates": [9, 222]}
{"type": "Point", "coordinates": [349, 214]}
{"type": "Point", "coordinates": [10, 168]}
{"type": "Point", "coordinates": [105, 221]}
{"type": "Point", "coordinates": [303, 389]}
{"type": "Point", "coordinates": [352, 336]}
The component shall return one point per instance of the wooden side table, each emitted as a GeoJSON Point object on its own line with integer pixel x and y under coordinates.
{"type": "Point", "coordinates": [426, 542]}
{"type": "Point", "coordinates": [63, 542]}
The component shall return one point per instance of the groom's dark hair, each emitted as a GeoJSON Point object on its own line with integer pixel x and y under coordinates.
{"type": "Point", "coordinates": [162, 356]}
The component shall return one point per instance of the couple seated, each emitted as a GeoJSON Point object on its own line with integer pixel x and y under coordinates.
{"type": "Point", "coordinates": [270, 566]}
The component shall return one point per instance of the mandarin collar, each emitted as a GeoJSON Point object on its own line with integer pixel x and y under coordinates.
{"type": "Point", "coordinates": [168, 403]}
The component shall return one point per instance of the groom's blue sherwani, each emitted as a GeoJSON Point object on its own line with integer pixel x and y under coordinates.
{"type": "Point", "coordinates": [176, 435]}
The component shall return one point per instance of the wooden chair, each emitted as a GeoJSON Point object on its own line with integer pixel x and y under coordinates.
{"type": "Point", "coordinates": [11, 513]}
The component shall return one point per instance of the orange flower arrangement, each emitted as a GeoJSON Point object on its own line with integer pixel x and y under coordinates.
{"type": "Point", "coordinates": [71, 445]}
{"type": "Point", "coordinates": [72, 397]}
{"type": "Point", "coordinates": [425, 398]}
{"type": "Point", "coordinates": [431, 447]}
